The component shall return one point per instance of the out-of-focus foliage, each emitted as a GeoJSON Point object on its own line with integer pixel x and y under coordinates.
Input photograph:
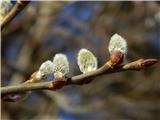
{"type": "Point", "coordinates": [43, 29]}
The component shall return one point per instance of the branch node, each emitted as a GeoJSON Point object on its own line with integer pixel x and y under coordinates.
{"type": "Point", "coordinates": [56, 85]}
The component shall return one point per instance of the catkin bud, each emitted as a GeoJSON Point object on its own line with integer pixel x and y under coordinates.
{"type": "Point", "coordinates": [117, 43]}
{"type": "Point", "coordinates": [87, 62]}
{"type": "Point", "coordinates": [46, 68]}
{"type": "Point", "coordinates": [5, 7]}
{"type": "Point", "coordinates": [117, 49]}
{"type": "Point", "coordinates": [61, 64]}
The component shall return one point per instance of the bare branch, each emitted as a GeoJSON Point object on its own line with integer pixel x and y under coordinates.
{"type": "Point", "coordinates": [52, 85]}
{"type": "Point", "coordinates": [20, 5]}
{"type": "Point", "coordinates": [79, 79]}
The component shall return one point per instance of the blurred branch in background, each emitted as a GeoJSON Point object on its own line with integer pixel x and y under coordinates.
{"type": "Point", "coordinates": [18, 7]}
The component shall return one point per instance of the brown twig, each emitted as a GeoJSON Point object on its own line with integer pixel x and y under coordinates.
{"type": "Point", "coordinates": [79, 79]}
{"type": "Point", "coordinates": [31, 87]}
{"type": "Point", "coordinates": [20, 5]}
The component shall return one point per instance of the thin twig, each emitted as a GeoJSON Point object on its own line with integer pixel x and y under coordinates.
{"type": "Point", "coordinates": [79, 79]}
{"type": "Point", "coordinates": [20, 5]}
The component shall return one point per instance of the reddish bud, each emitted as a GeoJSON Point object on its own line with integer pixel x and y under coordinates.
{"type": "Point", "coordinates": [149, 62]}
{"type": "Point", "coordinates": [115, 58]}
{"type": "Point", "coordinates": [56, 85]}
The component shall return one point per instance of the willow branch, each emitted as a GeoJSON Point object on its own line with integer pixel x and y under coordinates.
{"type": "Point", "coordinates": [79, 79]}
{"type": "Point", "coordinates": [31, 87]}
{"type": "Point", "coordinates": [20, 5]}
{"type": "Point", "coordinates": [106, 69]}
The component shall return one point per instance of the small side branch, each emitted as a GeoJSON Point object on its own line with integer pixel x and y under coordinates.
{"type": "Point", "coordinates": [20, 5]}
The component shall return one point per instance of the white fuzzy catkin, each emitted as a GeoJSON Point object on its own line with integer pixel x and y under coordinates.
{"type": "Point", "coordinates": [5, 6]}
{"type": "Point", "coordinates": [117, 43]}
{"type": "Point", "coordinates": [61, 64]}
{"type": "Point", "coordinates": [46, 68]}
{"type": "Point", "coordinates": [87, 62]}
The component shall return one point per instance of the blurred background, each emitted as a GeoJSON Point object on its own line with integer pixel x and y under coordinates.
{"type": "Point", "coordinates": [43, 29]}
